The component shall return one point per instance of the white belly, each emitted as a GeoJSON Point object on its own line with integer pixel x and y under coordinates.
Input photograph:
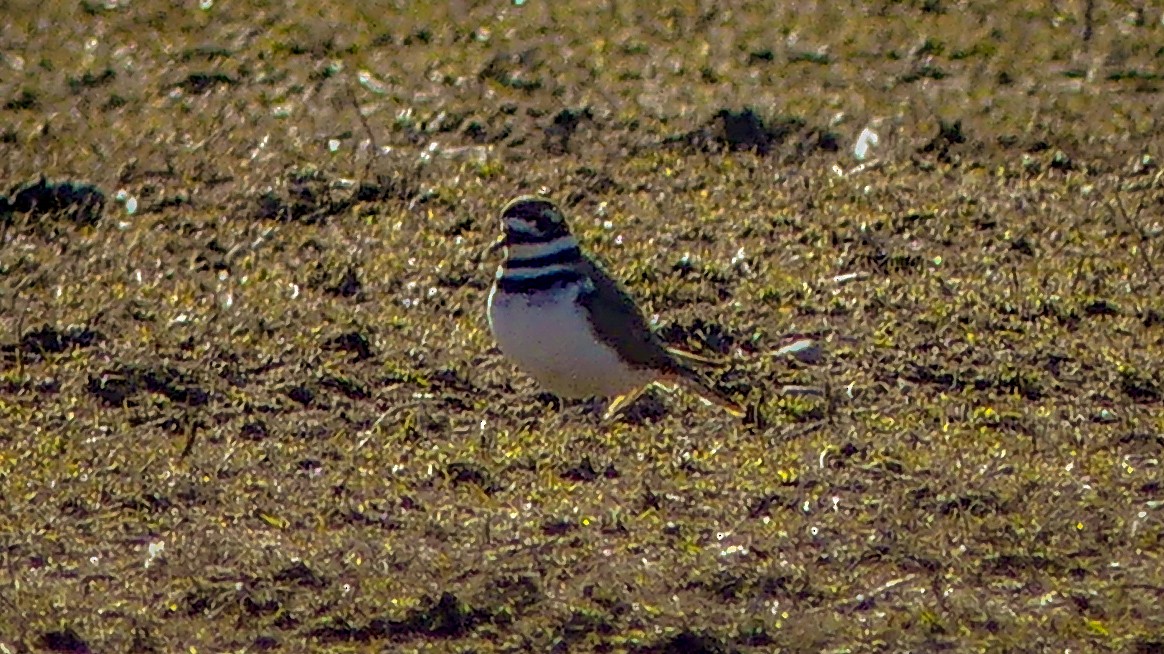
{"type": "Point", "coordinates": [547, 335]}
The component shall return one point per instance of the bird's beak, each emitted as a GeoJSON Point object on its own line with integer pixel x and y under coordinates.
{"type": "Point", "coordinates": [497, 245]}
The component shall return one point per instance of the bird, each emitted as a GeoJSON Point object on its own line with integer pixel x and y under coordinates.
{"type": "Point", "coordinates": [563, 320]}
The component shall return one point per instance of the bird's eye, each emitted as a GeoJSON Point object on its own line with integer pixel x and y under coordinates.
{"type": "Point", "coordinates": [548, 219]}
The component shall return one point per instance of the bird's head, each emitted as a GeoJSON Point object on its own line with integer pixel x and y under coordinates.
{"type": "Point", "coordinates": [531, 220]}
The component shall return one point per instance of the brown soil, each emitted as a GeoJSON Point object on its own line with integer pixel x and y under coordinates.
{"type": "Point", "coordinates": [262, 411]}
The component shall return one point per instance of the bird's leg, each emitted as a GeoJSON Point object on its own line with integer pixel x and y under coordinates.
{"type": "Point", "coordinates": [695, 384]}
{"type": "Point", "coordinates": [622, 401]}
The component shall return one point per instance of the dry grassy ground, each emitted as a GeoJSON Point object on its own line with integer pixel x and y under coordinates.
{"type": "Point", "coordinates": [262, 411]}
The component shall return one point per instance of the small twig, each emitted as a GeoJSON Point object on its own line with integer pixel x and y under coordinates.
{"type": "Point", "coordinates": [367, 129]}
{"type": "Point", "coordinates": [1088, 20]}
{"type": "Point", "coordinates": [1078, 274]}
{"type": "Point", "coordinates": [367, 434]}
{"type": "Point", "coordinates": [882, 589]}
{"type": "Point", "coordinates": [19, 345]}
{"type": "Point", "coordinates": [1016, 287]}
{"type": "Point", "coordinates": [831, 399]}
{"type": "Point", "coordinates": [19, 340]}
{"type": "Point", "coordinates": [7, 218]}
{"type": "Point", "coordinates": [796, 432]}
{"type": "Point", "coordinates": [1135, 224]}
{"type": "Point", "coordinates": [191, 438]}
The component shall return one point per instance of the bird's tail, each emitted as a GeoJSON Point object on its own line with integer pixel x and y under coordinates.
{"type": "Point", "coordinates": [696, 359]}
{"type": "Point", "coordinates": [694, 382]}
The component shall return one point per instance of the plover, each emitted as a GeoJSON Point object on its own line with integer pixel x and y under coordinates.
{"type": "Point", "coordinates": [564, 321]}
